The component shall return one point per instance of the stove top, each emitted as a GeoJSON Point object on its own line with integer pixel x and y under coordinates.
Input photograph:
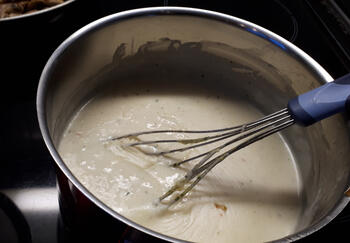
{"type": "Point", "coordinates": [29, 209]}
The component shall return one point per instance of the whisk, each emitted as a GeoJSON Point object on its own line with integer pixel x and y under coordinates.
{"type": "Point", "coordinates": [305, 109]}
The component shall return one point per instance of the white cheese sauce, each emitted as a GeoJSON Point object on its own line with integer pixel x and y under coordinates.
{"type": "Point", "coordinates": [252, 196]}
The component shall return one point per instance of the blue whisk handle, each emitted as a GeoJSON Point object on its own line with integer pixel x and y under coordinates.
{"type": "Point", "coordinates": [322, 102]}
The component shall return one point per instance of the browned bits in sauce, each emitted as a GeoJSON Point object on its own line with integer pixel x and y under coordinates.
{"type": "Point", "coordinates": [347, 193]}
{"type": "Point", "coordinates": [220, 206]}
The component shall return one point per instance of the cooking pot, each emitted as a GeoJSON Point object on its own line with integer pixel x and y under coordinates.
{"type": "Point", "coordinates": [238, 55]}
{"type": "Point", "coordinates": [24, 36]}
{"type": "Point", "coordinates": [47, 14]}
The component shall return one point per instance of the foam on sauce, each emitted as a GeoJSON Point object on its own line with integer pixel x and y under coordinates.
{"type": "Point", "coordinates": [252, 196]}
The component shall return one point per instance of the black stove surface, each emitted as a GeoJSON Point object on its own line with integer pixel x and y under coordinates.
{"type": "Point", "coordinates": [29, 209]}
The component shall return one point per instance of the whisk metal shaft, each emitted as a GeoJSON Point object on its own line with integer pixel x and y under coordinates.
{"type": "Point", "coordinates": [247, 133]}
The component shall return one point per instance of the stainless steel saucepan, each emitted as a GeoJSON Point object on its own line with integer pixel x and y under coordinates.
{"type": "Point", "coordinates": [194, 43]}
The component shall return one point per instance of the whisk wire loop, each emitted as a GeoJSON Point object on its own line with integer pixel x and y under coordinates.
{"type": "Point", "coordinates": [246, 134]}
